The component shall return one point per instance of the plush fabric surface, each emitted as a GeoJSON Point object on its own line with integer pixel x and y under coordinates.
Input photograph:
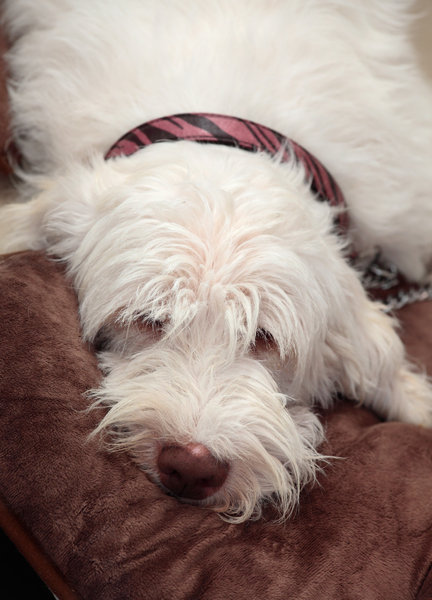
{"type": "Point", "coordinates": [365, 532]}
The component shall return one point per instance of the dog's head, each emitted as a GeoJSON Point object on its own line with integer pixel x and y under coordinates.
{"type": "Point", "coordinates": [222, 305]}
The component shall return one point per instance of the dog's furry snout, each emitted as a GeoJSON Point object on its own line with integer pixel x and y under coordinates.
{"type": "Point", "coordinates": [191, 471]}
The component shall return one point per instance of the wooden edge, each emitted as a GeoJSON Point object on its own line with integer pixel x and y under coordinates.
{"type": "Point", "coordinates": [31, 551]}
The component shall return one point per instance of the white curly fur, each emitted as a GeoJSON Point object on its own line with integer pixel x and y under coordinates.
{"type": "Point", "coordinates": [181, 253]}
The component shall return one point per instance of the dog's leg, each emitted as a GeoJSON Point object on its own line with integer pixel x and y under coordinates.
{"type": "Point", "coordinates": [411, 400]}
{"type": "Point", "coordinates": [21, 225]}
{"type": "Point", "coordinates": [374, 369]}
{"type": "Point", "coordinates": [393, 387]}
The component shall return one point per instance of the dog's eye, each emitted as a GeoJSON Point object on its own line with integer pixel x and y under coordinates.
{"type": "Point", "coordinates": [154, 326]}
{"type": "Point", "coordinates": [101, 341]}
{"type": "Point", "coordinates": [263, 339]}
{"type": "Point", "coordinates": [263, 334]}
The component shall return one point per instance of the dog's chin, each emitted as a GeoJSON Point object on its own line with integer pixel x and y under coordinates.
{"type": "Point", "coordinates": [246, 492]}
{"type": "Point", "coordinates": [223, 507]}
{"type": "Point", "coordinates": [209, 501]}
{"type": "Point", "coordinates": [216, 502]}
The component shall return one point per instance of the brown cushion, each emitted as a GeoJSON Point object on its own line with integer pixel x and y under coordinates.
{"type": "Point", "coordinates": [363, 533]}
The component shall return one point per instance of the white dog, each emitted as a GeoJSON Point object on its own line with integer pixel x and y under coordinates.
{"type": "Point", "coordinates": [214, 280]}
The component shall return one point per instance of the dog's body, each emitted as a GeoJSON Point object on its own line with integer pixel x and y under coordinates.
{"type": "Point", "coordinates": [214, 276]}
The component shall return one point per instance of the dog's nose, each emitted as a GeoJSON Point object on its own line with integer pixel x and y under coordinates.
{"type": "Point", "coordinates": [191, 471]}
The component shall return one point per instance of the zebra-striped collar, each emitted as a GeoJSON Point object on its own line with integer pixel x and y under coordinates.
{"type": "Point", "coordinates": [240, 133]}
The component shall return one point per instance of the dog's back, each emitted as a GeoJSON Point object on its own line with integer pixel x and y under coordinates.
{"type": "Point", "coordinates": [340, 81]}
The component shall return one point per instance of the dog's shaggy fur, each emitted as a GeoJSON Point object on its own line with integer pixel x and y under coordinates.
{"type": "Point", "coordinates": [214, 278]}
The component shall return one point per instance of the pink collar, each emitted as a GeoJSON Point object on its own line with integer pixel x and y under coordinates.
{"type": "Point", "coordinates": [240, 133]}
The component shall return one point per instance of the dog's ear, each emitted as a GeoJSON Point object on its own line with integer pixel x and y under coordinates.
{"type": "Point", "coordinates": [372, 366]}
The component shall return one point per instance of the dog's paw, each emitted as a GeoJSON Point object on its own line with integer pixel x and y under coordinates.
{"type": "Point", "coordinates": [413, 399]}
{"type": "Point", "coordinates": [11, 218]}
{"type": "Point", "coordinates": [20, 226]}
